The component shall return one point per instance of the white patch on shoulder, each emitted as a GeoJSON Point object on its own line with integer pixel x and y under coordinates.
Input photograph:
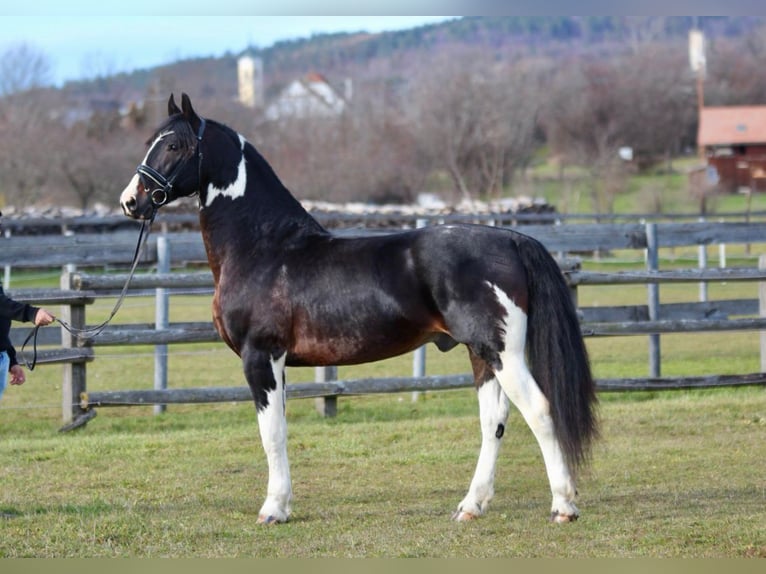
{"type": "Point", "coordinates": [236, 188]}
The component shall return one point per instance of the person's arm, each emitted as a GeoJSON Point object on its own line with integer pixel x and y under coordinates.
{"type": "Point", "coordinates": [15, 310]}
{"type": "Point", "coordinates": [24, 312]}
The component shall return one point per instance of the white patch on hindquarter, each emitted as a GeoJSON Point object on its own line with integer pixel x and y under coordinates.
{"type": "Point", "coordinates": [236, 188]}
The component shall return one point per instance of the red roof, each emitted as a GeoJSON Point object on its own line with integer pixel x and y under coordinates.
{"type": "Point", "coordinates": [732, 125]}
{"type": "Point", "coordinates": [315, 77]}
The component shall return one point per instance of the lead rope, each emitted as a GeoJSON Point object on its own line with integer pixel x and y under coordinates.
{"type": "Point", "coordinates": [90, 332]}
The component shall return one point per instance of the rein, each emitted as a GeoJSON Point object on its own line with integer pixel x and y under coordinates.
{"type": "Point", "coordinates": [90, 332]}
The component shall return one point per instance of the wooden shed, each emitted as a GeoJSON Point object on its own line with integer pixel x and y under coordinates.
{"type": "Point", "coordinates": [734, 142]}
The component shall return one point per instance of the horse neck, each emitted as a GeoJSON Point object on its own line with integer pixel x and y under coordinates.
{"type": "Point", "coordinates": [259, 213]}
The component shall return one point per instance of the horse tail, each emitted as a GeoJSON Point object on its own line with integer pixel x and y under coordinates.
{"type": "Point", "coordinates": [558, 359]}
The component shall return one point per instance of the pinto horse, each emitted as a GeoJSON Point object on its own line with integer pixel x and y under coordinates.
{"type": "Point", "coordinates": [289, 292]}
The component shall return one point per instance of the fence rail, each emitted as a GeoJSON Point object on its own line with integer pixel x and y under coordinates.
{"type": "Point", "coordinates": [79, 290]}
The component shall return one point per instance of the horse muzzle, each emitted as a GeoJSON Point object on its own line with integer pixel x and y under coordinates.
{"type": "Point", "coordinates": [134, 202]}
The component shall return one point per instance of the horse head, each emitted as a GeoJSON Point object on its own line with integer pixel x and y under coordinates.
{"type": "Point", "coordinates": [169, 169]}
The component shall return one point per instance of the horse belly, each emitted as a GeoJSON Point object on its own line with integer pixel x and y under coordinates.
{"type": "Point", "coordinates": [336, 341]}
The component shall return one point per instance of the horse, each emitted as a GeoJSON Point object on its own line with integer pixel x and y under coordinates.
{"type": "Point", "coordinates": [288, 292]}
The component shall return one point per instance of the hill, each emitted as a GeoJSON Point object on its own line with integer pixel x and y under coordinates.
{"type": "Point", "coordinates": [386, 58]}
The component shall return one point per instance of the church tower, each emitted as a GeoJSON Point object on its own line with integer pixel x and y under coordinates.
{"type": "Point", "coordinates": [250, 81]}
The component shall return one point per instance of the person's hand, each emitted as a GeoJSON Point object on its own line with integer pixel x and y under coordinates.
{"type": "Point", "coordinates": [43, 317]}
{"type": "Point", "coordinates": [18, 377]}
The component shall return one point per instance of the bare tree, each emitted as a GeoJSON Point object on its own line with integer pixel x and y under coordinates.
{"type": "Point", "coordinates": [23, 68]}
{"type": "Point", "coordinates": [735, 72]}
{"type": "Point", "coordinates": [657, 105]}
{"type": "Point", "coordinates": [24, 149]}
{"type": "Point", "coordinates": [476, 119]}
{"type": "Point", "coordinates": [94, 158]}
{"type": "Point", "coordinates": [581, 123]}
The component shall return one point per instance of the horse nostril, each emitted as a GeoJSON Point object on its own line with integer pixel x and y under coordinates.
{"type": "Point", "coordinates": [131, 204]}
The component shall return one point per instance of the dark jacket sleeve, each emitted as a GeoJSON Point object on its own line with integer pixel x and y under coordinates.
{"type": "Point", "coordinates": [12, 310]}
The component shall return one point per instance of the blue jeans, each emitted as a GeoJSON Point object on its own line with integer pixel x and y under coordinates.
{"type": "Point", "coordinates": [5, 362]}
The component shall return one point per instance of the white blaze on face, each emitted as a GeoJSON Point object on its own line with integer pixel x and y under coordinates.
{"type": "Point", "coordinates": [132, 188]}
{"type": "Point", "coordinates": [129, 192]}
{"type": "Point", "coordinates": [236, 188]}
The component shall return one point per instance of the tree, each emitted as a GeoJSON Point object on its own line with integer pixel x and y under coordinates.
{"type": "Point", "coordinates": [581, 124]}
{"type": "Point", "coordinates": [23, 68]}
{"type": "Point", "coordinates": [645, 101]}
{"type": "Point", "coordinates": [657, 104]}
{"type": "Point", "coordinates": [95, 158]}
{"type": "Point", "coordinates": [477, 120]}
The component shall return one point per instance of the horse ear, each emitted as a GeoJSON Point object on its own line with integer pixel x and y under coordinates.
{"type": "Point", "coordinates": [189, 113]}
{"type": "Point", "coordinates": [172, 107]}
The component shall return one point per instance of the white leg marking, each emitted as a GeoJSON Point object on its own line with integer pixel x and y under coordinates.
{"type": "Point", "coordinates": [236, 188]}
{"type": "Point", "coordinates": [273, 427]}
{"type": "Point", "coordinates": [493, 412]}
{"type": "Point", "coordinates": [523, 391]}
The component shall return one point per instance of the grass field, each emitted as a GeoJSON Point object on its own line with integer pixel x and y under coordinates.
{"type": "Point", "coordinates": [676, 474]}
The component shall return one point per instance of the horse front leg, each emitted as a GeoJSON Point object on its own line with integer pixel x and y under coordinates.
{"type": "Point", "coordinates": [265, 375]}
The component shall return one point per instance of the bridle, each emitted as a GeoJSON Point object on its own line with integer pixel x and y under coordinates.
{"type": "Point", "coordinates": [160, 195]}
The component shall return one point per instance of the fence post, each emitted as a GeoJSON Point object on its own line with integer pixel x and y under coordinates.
{"type": "Point", "coordinates": [326, 406]}
{"type": "Point", "coordinates": [418, 368]}
{"type": "Point", "coordinates": [74, 378]}
{"type": "Point", "coordinates": [7, 274]}
{"type": "Point", "coordinates": [161, 321]}
{"type": "Point", "coordinates": [721, 252]}
{"type": "Point", "coordinates": [653, 292]}
{"type": "Point", "coordinates": [762, 309]}
{"type": "Point", "coordinates": [419, 356]}
{"type": "Point", "coordinates": [702, 264]}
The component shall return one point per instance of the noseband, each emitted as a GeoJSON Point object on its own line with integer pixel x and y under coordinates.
{"type": "Point", "coordinates": [160, 195]}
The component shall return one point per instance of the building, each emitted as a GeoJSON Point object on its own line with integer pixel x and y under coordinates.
{"type": "Point", "coordinates": [733, 140]}
{"type": "Point", "coordinates": [309, 97]}
{"type": "Point", "coordinates": [250, 81]}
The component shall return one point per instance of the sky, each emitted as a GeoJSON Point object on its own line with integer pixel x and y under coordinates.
{"type": "Point", "coordinates": [88, 46]}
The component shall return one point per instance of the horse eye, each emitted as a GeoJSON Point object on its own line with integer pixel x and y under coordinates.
{"type": "Point", "coordinates": [173, 147]}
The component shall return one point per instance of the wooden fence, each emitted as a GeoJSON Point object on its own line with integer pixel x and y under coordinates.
{"type": "Point", "coordinates": [78, 290]}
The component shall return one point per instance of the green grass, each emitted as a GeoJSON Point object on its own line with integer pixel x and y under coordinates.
{"type": "Point", "coordinates": [654, 191]}
{"type": "Point", "coordinates": [676, 474]}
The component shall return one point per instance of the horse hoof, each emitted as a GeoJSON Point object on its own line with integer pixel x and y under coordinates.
{"type": "Point", "coordinates": [559, 518]}
{"type": "Point", "coordinates": [462, 516]}
{"type": "Point", "coordinates": [268, 519]}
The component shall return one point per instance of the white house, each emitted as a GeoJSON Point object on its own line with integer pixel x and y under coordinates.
{"type": "Point", "coordinates": [309, 97]}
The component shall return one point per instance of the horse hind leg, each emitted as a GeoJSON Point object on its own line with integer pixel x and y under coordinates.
{"type": "Point", "coordinates": [265, 375]}
{"type": "Point", "coordinates": [493, 415]}
{"type": "Point", "coordinates": [517, 382]}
